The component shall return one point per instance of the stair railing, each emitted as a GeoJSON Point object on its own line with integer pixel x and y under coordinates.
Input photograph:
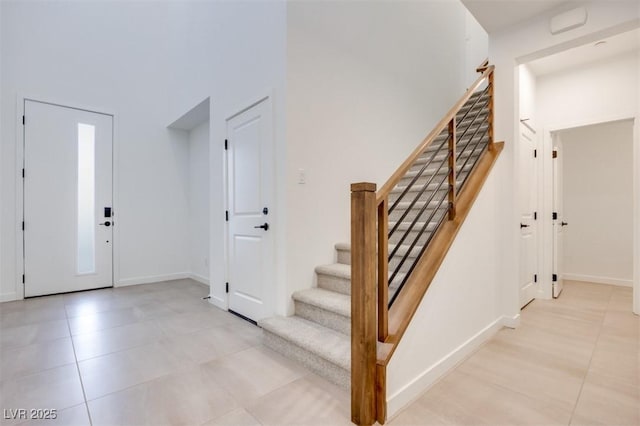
{"type": "Point", "coordinates": [374, 287]}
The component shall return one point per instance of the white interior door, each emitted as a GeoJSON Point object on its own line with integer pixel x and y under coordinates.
{"type": "Point", "coordinates": [558, 219]}
{"type": "Point", "coordinates": [67, 185]}
{"type": "Point", "coordinates": [528, 215]}
{"type": "Point", "coordinates": [250, 198]}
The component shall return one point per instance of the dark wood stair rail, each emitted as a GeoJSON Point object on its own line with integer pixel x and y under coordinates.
{"type": "Point", "coordinates": [377, 329]}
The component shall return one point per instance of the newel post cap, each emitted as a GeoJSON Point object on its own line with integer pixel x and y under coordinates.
{"type": "Point", "coordinates": [363, 187]}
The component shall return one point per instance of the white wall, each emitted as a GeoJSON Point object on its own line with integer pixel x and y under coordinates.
{"type": "Point", "coordinates": [476, 46]}
{"type": "Point", "coordinates": [198, 141]}
{"type": "Point", "coordinates": [358, 102]}
{"type": "Point", "coordinates": [108, 56]}
{"type": "Point", "coordinates": [147, 62]}
{"type": "Point", "coordinates": [527, 100]}
{"type": "Point", "coordinates": [528, 41]}
{"type": "Point", "coordinates": [598, 202]}
{"type": "Point", "coordinates": [592, 93]}
{"type": "Point", "coordinates": [461, 307]}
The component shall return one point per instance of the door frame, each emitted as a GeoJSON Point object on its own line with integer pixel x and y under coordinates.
{"type": "Point", "coordinates": [266, 96]}
{"type": "Point", "coordinates": [547, 223]}
{"type": "Point", "coordinates": [537, 208]}
{"type": "Point", "coordinates": [19, 183]}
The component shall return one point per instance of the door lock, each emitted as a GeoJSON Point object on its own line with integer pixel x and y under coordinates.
{"type": "Point", "coordinates": [107, 223]}
{"type": "Point", "coordinates": [265, 226]}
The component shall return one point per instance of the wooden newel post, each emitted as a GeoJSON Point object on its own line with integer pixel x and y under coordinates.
{"type": "Point", "coordinates": [363, 303]}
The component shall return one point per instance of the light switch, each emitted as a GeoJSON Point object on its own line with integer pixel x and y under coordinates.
{"type": "Point", "coordinates": [302, 177]}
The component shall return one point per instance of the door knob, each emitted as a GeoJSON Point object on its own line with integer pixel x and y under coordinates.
{"type": "Point", "coordinates": [107, 223]}
{"type": "Point", "coordinates": [265, 226]}
{"type": "Point", "coordinates": [563, 223]}
{"type": "Point", "coordinates": [522, 225]}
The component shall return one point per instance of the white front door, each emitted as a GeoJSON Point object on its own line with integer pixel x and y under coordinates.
{"type": "Point", "coordinates": [67, 186]}
{"type": "Point", "coordinates": [528, 215]}
{"type": "Point", "coordinates": [250, 200]}
{"type": "Point", "coordinates": [558, 219]}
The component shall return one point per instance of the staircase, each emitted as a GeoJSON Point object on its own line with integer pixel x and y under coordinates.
{"type": "Point", "coordinates": [318, 334]}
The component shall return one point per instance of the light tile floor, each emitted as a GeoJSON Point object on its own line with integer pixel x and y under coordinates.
{"type": "Point", "coordinates": [574, 360]}
{"type": "Point", "coordinates": [158, 354]}
{"type": "Point", "coordinates": [152, 354]}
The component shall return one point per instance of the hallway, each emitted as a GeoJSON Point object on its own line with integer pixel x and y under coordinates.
{"type": "Point", "coordinates": [574, 360]}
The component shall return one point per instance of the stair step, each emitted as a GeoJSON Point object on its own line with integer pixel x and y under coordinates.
{"type": "Point", "coordinates": [322, 350]}
{"type": "Point", "coordinates": [404, 227]}
{"type": "Point", "coordinates": [444, 153]}
{"type": "Point", "coordinates": [335, 277]}
{"type": "Point", "coordinates": [404, 205]}
{"type": "Point", "coordinates": [346, 247]}
{"type": "Point", "coordinates": [344, 253]}
{"type": "Point", "coordinates": [324, 307]}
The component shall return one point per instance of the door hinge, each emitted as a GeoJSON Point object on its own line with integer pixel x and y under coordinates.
{"type": "Point", "coordinates": [535, 153]}
{"type": "Point", "coordinates": [554, 277]}
{"type": "Point", "coordinates": [535, 278]}
{"type": "Point", "coordinates": [555, 154]}
{"type": "Point", "coordinates": [226, 215]}
{"type": "Point", "coordinates": [22, 173]}
{"type": "Point", "coordinates": [555, 216]}
{"type": "Point", "coordinates": [535, 215]}
{"type": "Point", "coordinates": [24, 120]}
{"type": "Point", "coordinates": [22, 278]}
{"type": "Point", "coordinates": [226, 287]}
{"type": "Point", "coordinates": [23, 225]}
{"type": "Point", "coordinates": [226, 144]}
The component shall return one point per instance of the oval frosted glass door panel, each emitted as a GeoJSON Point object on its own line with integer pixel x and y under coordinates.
{"type": "Point", "coordinates": [68, 182]}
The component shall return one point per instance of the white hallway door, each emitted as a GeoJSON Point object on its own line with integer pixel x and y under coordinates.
{"type": "Point", "coordinates": [528, 215]}
{"type": "Point", "coordinates": [558, 219]}
{"type": "Point", "coordinates": [250, 199]}
{"type": "Point", "coordinates": [68, 232]}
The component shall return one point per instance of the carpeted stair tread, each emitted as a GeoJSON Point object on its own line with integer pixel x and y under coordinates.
{"type": "Point", "coordinates": [401, 250]}
{"type": "Point", "coordinates": [331, 345]}
{"type": "Point", "coordinates": [335, 269]}
{"type": "Point", "coordinates": [324, 299]}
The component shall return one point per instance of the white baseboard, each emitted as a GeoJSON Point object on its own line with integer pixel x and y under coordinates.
{"type": "Point", "coordinates": [8, 297]}
{"type": "Point", "coordinates": [510, 322]}
{"type": "Point", "coordinates": [201, 279]}
{"type": "Point", "coordinates": [598, 280]}
{"type": "Point", "coordinates": [152, 279]}
{"type": "Point", "coordinates": [431, 375]}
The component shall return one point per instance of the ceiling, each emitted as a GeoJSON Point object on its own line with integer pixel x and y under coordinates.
{"type": "Point", "coordinates": [497, 15]}
{"type": "Point", "coordinates": [614, 46]}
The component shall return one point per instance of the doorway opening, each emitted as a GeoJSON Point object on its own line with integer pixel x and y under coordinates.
{"type": "Point", "coordinates": [589, 85]}
{"type": "Point", "coordinates": [593, 204]}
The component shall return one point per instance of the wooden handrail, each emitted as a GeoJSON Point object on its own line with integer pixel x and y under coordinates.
{"type": "Point", "coordinates": [483, 66]}
{"type": "Point", "coordinates": [442, 124]}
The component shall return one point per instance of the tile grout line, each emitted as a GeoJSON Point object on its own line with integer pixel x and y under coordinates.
{"type": "Point", "coordinates": [575, 406]}
{"type": "Point", "coordinates": [84, 394]}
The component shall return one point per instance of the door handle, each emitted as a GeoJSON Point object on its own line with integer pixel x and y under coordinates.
{"type": "Point", "coordinates": [522, 225]}
{"type": "Point", "coordinates": [265, 226]}
{"type": "Point", "coordinates": [107, 223]}
{"type": "Point", "coordinates": [563, 223]}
